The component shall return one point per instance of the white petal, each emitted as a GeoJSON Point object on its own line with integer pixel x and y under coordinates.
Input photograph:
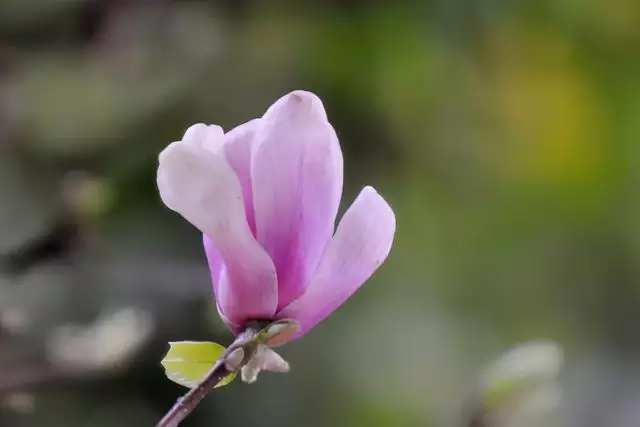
{"type": "Point", "coordinates": [203, 188]}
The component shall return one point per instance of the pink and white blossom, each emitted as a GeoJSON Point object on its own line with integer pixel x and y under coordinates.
{"type": "Point", "coordinates": [265, 196]}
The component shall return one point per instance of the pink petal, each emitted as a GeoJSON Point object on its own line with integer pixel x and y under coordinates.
{"type": "Point", "coordinates": [214, 258]}
{"type": "Point", "coordinates": [238, 147]}
{"type": "Point", "coordinates": [297, 185]}
{"type": "Point", "coordinates": [216, 264]}
{"type": "Point", "coordinates": [361, 244]}
{"type": "Point", "coordinates": [204, 189]}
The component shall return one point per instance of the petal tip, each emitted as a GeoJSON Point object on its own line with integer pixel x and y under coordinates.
{"type": "Point", "coordinates": [194, 132]}
{"type": "Point", "coordinates": [383, 205]}
{"type": "Point", "coordinates": [299, 102]}
{"type": "Point", "coordinates": [209, 136]}
{"type": "Point", "coordinates": [300, 95]}
{"type": "Point", "coordinates": [370, 190]}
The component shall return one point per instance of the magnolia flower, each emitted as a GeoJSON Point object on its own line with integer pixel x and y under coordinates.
{"type": "Point", "coordinates": [265, 196]}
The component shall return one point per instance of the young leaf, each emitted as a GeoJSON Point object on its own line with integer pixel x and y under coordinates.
{"type": "Point", "coordinates": [187, 362]}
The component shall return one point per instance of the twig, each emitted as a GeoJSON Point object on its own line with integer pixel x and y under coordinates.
{"type": "Point", "coordinates": [186, 404]}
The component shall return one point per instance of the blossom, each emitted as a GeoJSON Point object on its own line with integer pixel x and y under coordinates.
{"type": "Point", "coordinates": [265, 196]}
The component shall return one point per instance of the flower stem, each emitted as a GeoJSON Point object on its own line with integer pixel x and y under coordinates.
{"type": "Point", "coordinates": [186, 404]}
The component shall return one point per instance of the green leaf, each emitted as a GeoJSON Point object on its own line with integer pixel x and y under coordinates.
{"type": "Point", "coordinates": [188, 362]}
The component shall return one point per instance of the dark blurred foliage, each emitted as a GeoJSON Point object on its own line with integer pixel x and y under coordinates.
{"type": "Point", "coordinates": [504, 134]}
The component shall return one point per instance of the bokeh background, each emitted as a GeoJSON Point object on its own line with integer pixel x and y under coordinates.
{"type": "Point", "coordinates": [504, 134]}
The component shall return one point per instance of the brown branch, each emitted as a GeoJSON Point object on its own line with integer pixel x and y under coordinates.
{"type": "Point", "coordinates": [186, 404]}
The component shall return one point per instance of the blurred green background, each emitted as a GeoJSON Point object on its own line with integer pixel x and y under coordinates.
{"type": "Point", "coordinates": [504, 134]}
